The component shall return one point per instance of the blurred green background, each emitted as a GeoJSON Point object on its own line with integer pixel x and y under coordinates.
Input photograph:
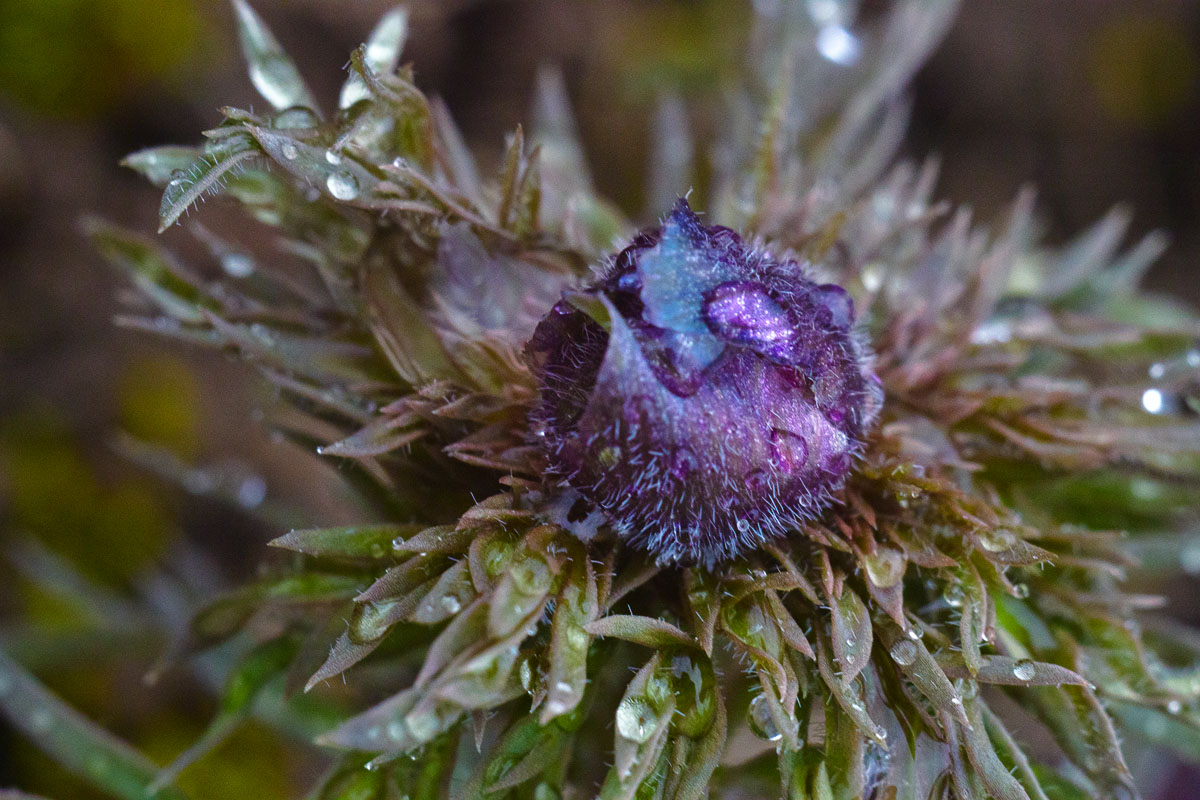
{"type": "Point", "coordinates": [1094, 101]}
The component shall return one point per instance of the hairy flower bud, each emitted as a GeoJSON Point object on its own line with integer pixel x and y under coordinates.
{"type": "Point", "coordinates": [704, 396]}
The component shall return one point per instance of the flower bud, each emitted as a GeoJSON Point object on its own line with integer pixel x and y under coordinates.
{"type": "Point", "coordinates": [703, 395]}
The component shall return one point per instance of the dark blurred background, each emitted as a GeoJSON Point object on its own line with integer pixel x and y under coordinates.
{"type": "Point", "coordinates": [1097, 102]}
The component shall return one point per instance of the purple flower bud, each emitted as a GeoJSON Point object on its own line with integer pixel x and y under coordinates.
{"type": "Point", "coordinates": [704, 396]}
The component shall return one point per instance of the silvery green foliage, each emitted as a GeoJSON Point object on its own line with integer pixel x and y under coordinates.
{"type": "Point", "coordinates": [964, 589]}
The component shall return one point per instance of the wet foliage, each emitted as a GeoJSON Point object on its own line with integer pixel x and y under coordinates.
{"type": "Point", "coordinates": [958, 586]}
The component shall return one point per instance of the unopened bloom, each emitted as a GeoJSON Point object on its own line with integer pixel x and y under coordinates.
{"type": "Point", "coordinates": [704, 395]}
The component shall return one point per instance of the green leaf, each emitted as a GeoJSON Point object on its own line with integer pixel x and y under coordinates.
{"type": "Point", "coordinates": [74, 741]}
{"type": "Point", "coordinates": [204, 176]}
{"type": "Point", "coordinates": [155, 273]}
{"type": "Point", "coordinates": [158, 164]}
{"type": "Point", "coordinates": [569, 639]}
{"type": "Point", "coordinates": [264, 663]}
{"type": "Point", "coordinates": [273, 74]}
{"type": "Point", "coordinates": [647, 631]}
{"type": "Point", "coordinates": [352, 541]}
{"type": "Point", "coordinates": [852, 634]}
{"type": "Point", "coordinates": [381, 54]}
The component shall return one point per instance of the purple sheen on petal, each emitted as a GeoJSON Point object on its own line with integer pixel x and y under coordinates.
{"type": "Point", "coordinates": [742, 312]}
{"type": "Point", "coordinates": [703, 396]}
{"type": "Point", "coordinates": [839, 303]}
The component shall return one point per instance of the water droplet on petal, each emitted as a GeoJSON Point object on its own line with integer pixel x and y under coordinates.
{"type": "Point", "coordinates": [1174, 707]}
{"type": "Point", "coordinates": [333, 157]}
{"type": "Point", "coordinates": [789, 450]}
{"type": "Point", "coordinates": [742, 312]}
{"type": "Point", "coordinates": [290, 152]}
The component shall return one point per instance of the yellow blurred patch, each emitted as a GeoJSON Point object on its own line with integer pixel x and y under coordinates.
{"type": "Point", "coordinates": [1143, 69]}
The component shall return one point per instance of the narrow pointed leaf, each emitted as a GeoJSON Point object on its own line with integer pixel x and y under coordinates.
{"type": "Point", "coordinates": [273, 74]}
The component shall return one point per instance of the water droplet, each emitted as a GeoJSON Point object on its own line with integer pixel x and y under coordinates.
{"type": "Point", "coordinates": [1192, 358]}
{"type": "Point", "coordinates": [743, 525]}
{"type": "Point", "coordinates": [290, 152]}
{"type": "Point", "coordinates": [1189, 556]}
{"type": "Point", "coordinates": [1024, 670]}
{"type": "Point", "coordinates": [743, 312]}
{"type": "Point", "coordinates": [450, 604]}
{"type": "Point", "coordinates": [954, 596]}
{"type": "Point", "coordinates": [237, 265]}
{"type": "Point", "coordinates": [526, 673]}
{"type": "Point", "coordinates": [295, 117]}
{"type": "Point", "coordinates": [1152, 401]}
{"type": "Point", "coordinates": [789, 450]}
{"type": "Point", "coordinates": [904, 652]}
{"type": "Point", "coordinates": [333, 157]}
{"type": "Point", "coordinates": [838, 45]}
{"type": "Point", "coordinates": [1157, 370]}
{"type": "Point", "coordinates": [342, 185]}
{"type": "Point", "coordinates": [761, 721]}
{"type": "Point", "coordinates": [1174, 707]}
{"type": "Point", "coordinates": [885, 567]}
{"type": "Point", "coordinates": [635, 719]}
{"type": "Point", "coordinates": [251, 491]}
{"type": "Point", "coordinates": [1020, 591]}
{"type": "Point", "coordinates": [997, 540]}
{"type": "Point", "coordinates": [177, 176]}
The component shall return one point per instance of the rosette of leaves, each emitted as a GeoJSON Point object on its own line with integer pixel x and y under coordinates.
{"type": "Point", "coordinates": [963, 595]}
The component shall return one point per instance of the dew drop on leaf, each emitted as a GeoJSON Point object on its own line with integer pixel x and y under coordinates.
{"type": "Point", "coordinates": [635, 720]}
{"type": "Point", "coordinates": [997, 540]}
{"type": "Point", "coordinates": [342, 185]}
{"type": "Point", "coordinates": [885, 567]}
{"type": "Point", "coordinates": [1024, 670]}
{"type": "Point", "coordinates": [761, 721]}
{"type": "Point", "coordinates": [904, 652]}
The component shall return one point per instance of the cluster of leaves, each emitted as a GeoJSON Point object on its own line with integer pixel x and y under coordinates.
{"type": "Point", "coordinates": [900, 647]}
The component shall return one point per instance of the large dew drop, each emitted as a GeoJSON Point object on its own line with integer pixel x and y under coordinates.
{"type": "Point", "coordinates": [635, 720]}
{"type": "Point", "coordinates": [342, 185]}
